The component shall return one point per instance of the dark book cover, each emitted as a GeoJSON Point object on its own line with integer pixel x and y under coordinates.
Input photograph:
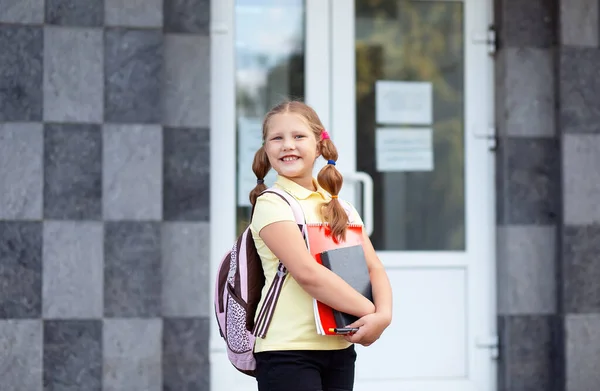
{"type": "Point", "coordinates": [351, 265]}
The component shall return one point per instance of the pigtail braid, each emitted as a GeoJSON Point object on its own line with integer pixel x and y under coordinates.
{"type": "Point", "coordinates": [261, 167]}
{"type": "Point", "coordinates": [331, 180]}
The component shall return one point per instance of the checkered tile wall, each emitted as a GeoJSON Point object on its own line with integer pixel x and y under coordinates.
{"type": "Point", "coordinates": [548, 192]}
{"type": "Point", "coordinates": [104, 174]}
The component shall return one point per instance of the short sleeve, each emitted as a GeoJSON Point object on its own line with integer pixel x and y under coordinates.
{"type": "Point", "coordinates": [270, 208]}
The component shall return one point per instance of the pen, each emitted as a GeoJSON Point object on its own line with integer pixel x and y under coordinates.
{"type": "Point", "coordinates": [344, 330]}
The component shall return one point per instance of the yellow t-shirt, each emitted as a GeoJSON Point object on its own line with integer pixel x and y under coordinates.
{"type": "Point", "coordinates": [293, 324]}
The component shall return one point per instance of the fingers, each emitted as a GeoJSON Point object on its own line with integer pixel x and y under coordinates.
{"type": "Point", "coordinates": [359, 323]}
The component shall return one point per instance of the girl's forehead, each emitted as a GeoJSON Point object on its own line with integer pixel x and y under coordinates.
{"type": "Point", "coordinates": [287, 122]}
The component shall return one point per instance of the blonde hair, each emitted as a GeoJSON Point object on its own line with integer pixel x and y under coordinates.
{"type": "Point", "coordinates": [329, 178]}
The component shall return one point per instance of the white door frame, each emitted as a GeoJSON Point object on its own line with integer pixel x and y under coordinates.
{"type": "Point", "coordinates": [333, 66]}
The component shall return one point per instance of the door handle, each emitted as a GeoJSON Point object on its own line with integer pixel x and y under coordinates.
{"type": "Point", "coordinates": [367, 198]}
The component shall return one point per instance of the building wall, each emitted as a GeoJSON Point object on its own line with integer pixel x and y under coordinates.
{"type": "Point", "coordinates": [104, 116]}
{"type": "Point", "coordinates": [548, 194]}
{"type": "Point", "coordinates": [104, 171]}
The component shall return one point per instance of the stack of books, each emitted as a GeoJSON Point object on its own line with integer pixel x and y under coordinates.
{"type": "Point", "coordinates": [347, 260]}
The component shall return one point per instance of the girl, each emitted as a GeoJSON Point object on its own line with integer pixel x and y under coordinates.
{"type": "Point", "coordinates": [293, 356]}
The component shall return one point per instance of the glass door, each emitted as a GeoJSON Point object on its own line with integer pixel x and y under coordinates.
{"type": "Point", "coordinates": [410, 97]}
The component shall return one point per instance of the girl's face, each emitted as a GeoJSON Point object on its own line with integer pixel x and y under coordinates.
{"type": "Point", "coordinates": [291, 147]}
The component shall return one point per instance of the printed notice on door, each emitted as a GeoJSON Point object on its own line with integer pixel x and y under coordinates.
{"type": "Point", "coordinates": [403, 103]}
{"type": "Point", "coordinates": [404, 149]}
{"type": "Point", "coordinates": [249, 140]}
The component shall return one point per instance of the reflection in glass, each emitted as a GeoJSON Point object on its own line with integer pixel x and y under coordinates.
{"type": "Point", "coordinates": [403, 40]}
{"type": "Point", "coordinates": [269, 55]}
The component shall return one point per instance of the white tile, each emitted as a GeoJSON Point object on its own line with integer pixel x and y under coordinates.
{"type": "Point", "coordinates": [132, 173]}
{"type": "Point", "coordinates": [187, 81]}
{"type": "Point", "coordinates": [526, 269]}
{"type": "Point", "coordinates": [22, 11]}
{"type": "Point", "coordinates": [21, 355]}
{"type": "Point", "coordinates": [581, 179]}
{"type": "Point", "coordinates": [73, 75]}
{"type": "Point", "coordinates": [186, 269]}
{"type": "Point", "coordinates": [21, 171]}
{"type": "Point", "coordinates": [133, 13]}
{"type": "Point", "coordinates": [579, 23]}
{"type": "Point", "coordinates": [529, 92]}
{"type": "Point", "coordinates": [583, 352]}
{"type": "Point", "coordinates": [132, 354]}
{"type": "Point", "coordinates": [73, 270]}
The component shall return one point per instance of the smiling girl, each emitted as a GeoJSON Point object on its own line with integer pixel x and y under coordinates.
{"type": "Point", "coordinates": [293, 356]}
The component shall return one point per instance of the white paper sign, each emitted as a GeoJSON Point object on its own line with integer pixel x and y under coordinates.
{"type": "Point", "coordinates": [249, 141]}
{"type": "Point", "coordinates": [404, 149]}
{"type": "Point", "coordinates": [403, 103]}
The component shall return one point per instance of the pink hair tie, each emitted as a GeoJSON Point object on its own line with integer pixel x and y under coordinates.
{"type": "Point", "coordinates": [324, 135]}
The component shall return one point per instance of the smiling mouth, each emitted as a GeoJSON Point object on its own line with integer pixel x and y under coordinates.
{"type": "Point", "coordinates": [289, 158]}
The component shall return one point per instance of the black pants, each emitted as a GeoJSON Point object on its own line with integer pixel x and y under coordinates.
{"type": "Point", "coordinates": [306, 370]}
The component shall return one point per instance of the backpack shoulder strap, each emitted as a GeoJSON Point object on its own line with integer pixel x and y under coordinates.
{"type": "Point", "coordinates": [266, 312]}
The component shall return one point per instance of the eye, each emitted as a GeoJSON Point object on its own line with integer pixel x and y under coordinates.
{"type": "Point", "coordinates": [300, 136]}
{"type": "Point", "coordinates": [276, 138]}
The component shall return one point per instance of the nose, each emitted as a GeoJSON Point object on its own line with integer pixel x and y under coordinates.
{"type": "Point", "coordinates": [288, 143]}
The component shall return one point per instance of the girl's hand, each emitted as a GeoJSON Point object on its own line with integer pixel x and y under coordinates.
{"type": "Point", "coordinates": [370, 329]}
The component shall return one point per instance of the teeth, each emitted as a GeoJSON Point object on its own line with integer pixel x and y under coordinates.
{"type": "Point", "coordinates": [289, 159]}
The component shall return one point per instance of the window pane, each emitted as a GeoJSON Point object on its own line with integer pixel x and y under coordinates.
{"type": "Point", "coordinates": [419, 208]}
{"type": "Point", "coordinates": [269, 54]}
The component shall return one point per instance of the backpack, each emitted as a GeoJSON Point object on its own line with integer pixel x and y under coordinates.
{"type": "Point", "coordinates": [240, 280]}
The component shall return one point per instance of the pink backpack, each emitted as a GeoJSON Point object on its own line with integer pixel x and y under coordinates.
{"type": "Point", "coordinates": [240, 280]}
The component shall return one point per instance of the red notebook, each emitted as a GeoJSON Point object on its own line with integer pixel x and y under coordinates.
{"type": "Point", "coordinates": [320, 240]}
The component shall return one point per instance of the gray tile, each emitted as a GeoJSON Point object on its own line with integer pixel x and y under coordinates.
{"type": "Point", "coordinates": [186, 174]}
{"type": "Point", "coordinates": [185, 354]}
{"type": "Point", "coordinates": [187, 16]}
{"type": "Point", "coordinates": [20, 270]}
{"type": "Point", "coordinates": [132, 269]}
{"type": "Point", "coordinates": [528, 24]}
{"type": "Point", "coordinates": [21, 355]}
{"type": "Point", "coordinates": [581, 190]}
{"type": "Point", "coordinates": [89, 13]}
{"type": "Point", "coordinates": [582, 352]}
{"type": "Point", "coordinates": [132, 175]}
{"type": "Point", "coordinates": [528, 180]}
{"type": "Point", "coordinates": [132, 354]}
{"type": "Point", "coordinates": [72, 172]}
{"type": "Point", "coordinates": [581, 269]}
{"type": "Point", "coordinates": [134, 13]}
{"type": "Point", "coordinates": [579, 90]}
{"type": "Point", "coordinates": [22, 11]}
{"type": "Point", "coordinates": [133, 68]}
{"type": "Point", "coordinates": [528, 350]}
{"type": "Point", "coordinates": [73, 75]}
{"type": "Point", "coordinates": [526, 269]}
{"type": "Point", "coordinates": [579, 23]}
{"type": "Point", "coordinates": [187, 89]}
{"type": "Point", "coordinates": [21, 154]}
{"type": "Point", "coordinates": [529, 105]}
{"type": "Point", "coordinates": [73, 270]}
{"type": "Point", "coordinates": [186, 269]}
{"type": "Point", "coordinates": [21, 73]}
{"type": "Point", "coordinates": [73, 355]}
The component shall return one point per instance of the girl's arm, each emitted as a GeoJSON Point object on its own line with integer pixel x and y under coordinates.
{"type": "Point", "coordinates": [285, 241]}
{"type": "Point", "coordinates": [372, 326]}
